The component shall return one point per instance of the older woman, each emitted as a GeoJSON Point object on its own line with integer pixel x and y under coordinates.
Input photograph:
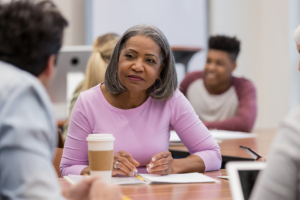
{"type": "Point", "coordinates": [139, 103]}
{"type": "Point", "coordinates": [281, 178]}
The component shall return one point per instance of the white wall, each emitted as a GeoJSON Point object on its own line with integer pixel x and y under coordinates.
{"type": "Point", "coordinates": [268, 55]}
{"type": "Point", "coordinates": [74, 12]}
{"type": "Point", "coordinates": [183, 22]}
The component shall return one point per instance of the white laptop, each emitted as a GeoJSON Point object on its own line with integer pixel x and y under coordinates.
{"type": "Point", "coordinates": [242, 177]}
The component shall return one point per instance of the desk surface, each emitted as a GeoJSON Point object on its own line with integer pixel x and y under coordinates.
{"type": "Point", "coordinates": [231, 148]}
{"type": "Point", "coordinates": [220, 191]}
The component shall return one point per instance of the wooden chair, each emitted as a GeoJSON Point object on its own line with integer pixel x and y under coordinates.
{"type": "Point", "coordinates": [57, 159]}
{"type": "Point", "coordinates": [61, 141]}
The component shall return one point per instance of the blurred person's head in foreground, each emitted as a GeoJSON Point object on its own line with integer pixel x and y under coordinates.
{"type": "Point", "coordinates": [31, 35]}
{"type": "Point", "coordinates": [220, 63]}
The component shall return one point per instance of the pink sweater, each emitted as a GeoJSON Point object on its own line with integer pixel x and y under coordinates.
{"type": "Point", "coordinates": [143, 131]}
{"type": "Point", "coordinates": [247, 110]}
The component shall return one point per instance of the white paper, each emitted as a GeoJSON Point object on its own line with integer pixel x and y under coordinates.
{"type": "Point", "coordinates": [126, 181]}
{"type": "Point", "coordinates": [114, 180]}
{"type": "Point", "coordinates": [152, 179]}
{"type": "Point", "coordinates": [174, 137]}
{"type": "Point", "coordinates": [178, 178]}
{"type": "Point", "coordinates": [225, 135]}
{"type": "Point", "coordinates": [218, 135]}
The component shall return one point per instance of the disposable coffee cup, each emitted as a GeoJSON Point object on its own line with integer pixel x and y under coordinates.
{"type": "Point", "coordinates": [101, 155]}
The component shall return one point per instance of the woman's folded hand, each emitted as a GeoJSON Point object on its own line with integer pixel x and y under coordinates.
{"type": "Point", "coordinates": [124, 164]}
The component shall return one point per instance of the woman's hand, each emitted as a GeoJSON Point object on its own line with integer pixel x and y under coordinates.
{"type": "Point", "coordinates": [85, 171]}
{"type": "Point", "coordinates": [161, 163]}
{"type": "Point", "coordinates": [101, 191]}
{"type": "Point", "coordinates": [126, 165]}
{"type": "Point", "coordinates": [80, 190]}
{"type": "Point", "coordinates": [93, 188]}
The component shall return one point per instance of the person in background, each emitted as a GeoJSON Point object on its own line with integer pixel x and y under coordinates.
{"type": "Point", "coordinates": [281, 177]}
{"type": "Point", "coordinates": [138, 103]}
{"type": "Point", "coordinates": [102, 49]}
{"type": "Point", "coordinates": [221, 100]}
{"type": "Point", "coordinates": [30, 37]}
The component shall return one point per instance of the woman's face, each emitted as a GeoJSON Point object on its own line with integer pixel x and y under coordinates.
{"type": "Point", "coordinates": [298, 48]}
{"type": "Point", "coordinates": [139, 64]}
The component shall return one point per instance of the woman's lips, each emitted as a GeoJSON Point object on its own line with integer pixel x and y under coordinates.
{"type": "Point", "coordinates": [135, 78]}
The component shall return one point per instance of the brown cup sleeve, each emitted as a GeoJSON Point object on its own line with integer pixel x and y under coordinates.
{"type": "Point", "coordinates": [101, 160]}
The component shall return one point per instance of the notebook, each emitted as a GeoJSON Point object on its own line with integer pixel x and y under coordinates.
{"type": "Point", "coordinates": [152, 179]}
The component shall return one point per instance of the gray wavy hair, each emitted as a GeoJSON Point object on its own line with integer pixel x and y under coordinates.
{"type": "Point", "coordinates": [165, 86]}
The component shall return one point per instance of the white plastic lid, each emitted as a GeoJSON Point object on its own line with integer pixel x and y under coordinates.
{"type": "Point", "coordinates": [100, 137]}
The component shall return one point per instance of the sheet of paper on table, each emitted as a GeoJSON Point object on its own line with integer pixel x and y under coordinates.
{"type": "Point", "coordinates": [178, 178]}
{"type": "Point", "coordinates": [218, 135]}
{"type": "Point", "coordinates": [73, 179]}
{"type": "Point", "coordinates": [152, 179]}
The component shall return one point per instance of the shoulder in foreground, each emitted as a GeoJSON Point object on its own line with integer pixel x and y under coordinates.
{"type": "Point", "coordinates": [293, 118]}
{"type": "Point", "coordinates": [13, 78]}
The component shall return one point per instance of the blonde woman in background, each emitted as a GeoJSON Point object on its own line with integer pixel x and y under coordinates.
{"type": "Point", "coordinates": [102, 49]}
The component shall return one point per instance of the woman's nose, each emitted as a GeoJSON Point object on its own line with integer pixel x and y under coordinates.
{"type": "Point", "coordinates": [138, 65]}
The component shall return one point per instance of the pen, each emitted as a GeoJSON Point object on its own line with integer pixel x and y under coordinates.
{"type": "Point", "coordinates": [124, 197]}
{"type": "Point", "coordinates": [139, 177]}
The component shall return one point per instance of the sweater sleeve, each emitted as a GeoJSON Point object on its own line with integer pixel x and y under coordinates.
{"type": "Point", "coordinates": [192, 132]}
{"type": "Point", "coordinates": [247, 110]}
{"type": "Point", "coordinates": [75, 155]}
{"type": "Point", "coordinates": [280, 179]}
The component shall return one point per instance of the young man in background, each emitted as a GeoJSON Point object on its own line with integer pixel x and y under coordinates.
{"type": "Point", "coordinates": [221, 100]}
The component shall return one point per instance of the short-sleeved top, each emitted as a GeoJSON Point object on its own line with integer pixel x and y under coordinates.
{"type": "Point", "coordinates": [143, 131]}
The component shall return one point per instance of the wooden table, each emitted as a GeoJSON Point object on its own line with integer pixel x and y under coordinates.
{"type": "Point", "coordinates": [230, 148]}
{"type": "Point", "coordinates": [220, 190]}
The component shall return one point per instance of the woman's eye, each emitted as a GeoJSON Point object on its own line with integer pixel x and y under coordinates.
{"type": "Point", "coordinates": [151, 61]}
{"type": "Point", "coordinates": [129, 56]}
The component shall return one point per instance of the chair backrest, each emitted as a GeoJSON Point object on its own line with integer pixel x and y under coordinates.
{"type": "Point", "coordinates": [57, 159]}
{"type": "Point", "coordinates": [61, 141]}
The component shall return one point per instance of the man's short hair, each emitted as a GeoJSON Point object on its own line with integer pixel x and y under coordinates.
{"type": "Point", "coordinates": [224, 43]}
{"type": "Point", "coordinates": [30, 33]}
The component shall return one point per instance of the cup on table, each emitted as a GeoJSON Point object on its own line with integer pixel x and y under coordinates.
{"type": "Point", "coordinates": [101, 155]}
